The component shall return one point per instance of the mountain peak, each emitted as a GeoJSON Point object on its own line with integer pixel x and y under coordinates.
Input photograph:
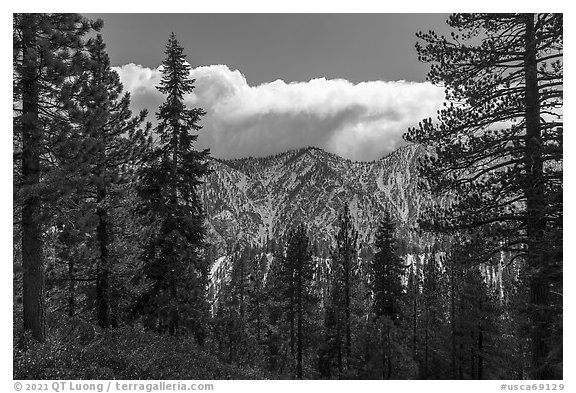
{"type": "Point", "coordinates": [405, 150]}
{"type": "Point", "coordinates": [252, 199]}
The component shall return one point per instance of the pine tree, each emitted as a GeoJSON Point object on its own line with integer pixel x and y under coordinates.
{"type": "Point", "coordinates": [386, 271]}
{"type": "Point", "coordinates": [497, 147]}
{"type": "Point", "coordinates": [286, 304]}
{"type": "Point", "coordinates": [300, 264]}
{"type": "Point", "coordinates": [433, 301]}
{"type": "Point", "coordinates": [474, 315]}
{"type": "Point", "coordinates": [513, 340]}
{"type": "Point", "coordinates": [346, 249]}
{"type": "Point", "coordinates": [278, 337]}
{"type": "Point", "coordinates": [338, 324]}
{"type": "Point", "coordinates": [455, 273]}
{"type": "Point", "coordinates": [47, 51]}
{"type": "Point", "coordinates": [330, 352]}
{"type": "Point", "coordinates": [117, 143]}
{"type": "Point", "coordinates": [256, 314]}
{"type": "Point", "coordinates": [94, 155]}
{"type": "Point", "coordinates": [230, 322]}
{"type": "Point", "coordinates": [413, 300]}
{"type": "Point", "coordinates": [175, 263]}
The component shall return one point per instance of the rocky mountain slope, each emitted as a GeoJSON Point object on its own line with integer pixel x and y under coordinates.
{"type": "Point", "coordinates": [251, 200]}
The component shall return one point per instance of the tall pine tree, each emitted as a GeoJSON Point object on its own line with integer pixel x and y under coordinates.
{"type": "Point", "coordinates": [386, 272]}
{"type": "Point", "coordinates": [337, 348]}
{"type": "Point", "coordinates": [48, 49]}
{"type": "Point", "coordinates": [174, 253]}
{"type": "Point", "coordinates": [497, 148]}
{"type": "Point", "coordinates": [300, 264]}
{"type": "Point", "coordinates": [116, 144]}
{"type": "Point", "coordinates": [433, 302]}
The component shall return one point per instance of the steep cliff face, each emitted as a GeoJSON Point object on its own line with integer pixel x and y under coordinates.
{"type": "Point", "coordinates": [252, 199]}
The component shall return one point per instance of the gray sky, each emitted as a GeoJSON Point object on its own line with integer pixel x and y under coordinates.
{"type": "Point", "coordinates": [347, 83]}
{"type": "Point", "coordinates": [266, 47]}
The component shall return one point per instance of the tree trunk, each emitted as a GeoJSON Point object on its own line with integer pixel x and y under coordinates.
{"type": "Point", "coordinates": [258, 316]}
{"type": "Point", "coordinates": [103, 308]}
{"type": "Point", "coordinates": [230, 343]}
{"type": "Point", "coordinates": [71, 289]}
{"type": "Point", "coordinates": [387, 358]}
{"type": "Point", "coordinates": [414, 323]}
{"type": "Point", "coordinates": [472, 357]}
{"type": "Point", "coordinates": [292, 326]}
{"type": "Point", "coordinates": [480, 346]}
{"type": "Point", "coordinates": [480, 354]}
{"type": "Point", "coordinates": [347, 310]}
{"type": "Point", "coordinates": [339, 343]}
{"type": "Point", "coordinates": [426, 351]}
{"type": "Point", "coordinates": [300, 316]}
{"type": "Point", "coordinates": [103, 269]}
{"type": "Point", "coordinates": [453, 322]}
{"type": "Point", "coordinates": [32, 260]}
{"type": "Point", "coordinates": [461, 357]}
{"type": "Point", "coordinates": [174, 317]}
{"type": "Point", "coordinates": [65, 239]}
{"type": "Point", "coordinates": [384, 353]}
{"type": "Point", "coordinates": [174, 314]}
{"type": "Point", "coordinates": [536, 221]}
{"type": "Point", "coordinates": [241, 289]}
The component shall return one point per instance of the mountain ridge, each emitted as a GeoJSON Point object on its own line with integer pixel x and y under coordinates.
{"type": "Point", "coordinates": [254, 199]}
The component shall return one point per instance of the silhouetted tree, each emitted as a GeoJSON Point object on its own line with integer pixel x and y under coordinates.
{"type": "Point", "coordinates": [386, 271]}
{"type": "Point", "coordinates": [497, 148]}
{"type": "Point", "coordinates": [115, 143]}
{"type": "Point", "coordinates": [299, 260]}
{"type": "Point", "coordinates": [48, 49]}
{"type": "Point", "coordinates": [337, 325]}
{"type": "Point", "coordinates": [174, 253]}
{"type": "Point", "coordinates": [433, 302]}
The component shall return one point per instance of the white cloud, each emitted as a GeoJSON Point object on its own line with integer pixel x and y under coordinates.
{"type": "Point", "coordinates": [361, 121]}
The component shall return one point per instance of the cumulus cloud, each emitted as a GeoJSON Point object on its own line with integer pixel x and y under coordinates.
{"type": "Point", "coordinates": [361, 121]}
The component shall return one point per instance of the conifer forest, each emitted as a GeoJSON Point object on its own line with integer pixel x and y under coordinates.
{"type": "Point", "coordinates": [138, 253]}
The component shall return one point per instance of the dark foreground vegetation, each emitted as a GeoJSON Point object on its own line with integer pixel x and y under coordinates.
{"type": "Point", "coordinates": [77, 350]}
